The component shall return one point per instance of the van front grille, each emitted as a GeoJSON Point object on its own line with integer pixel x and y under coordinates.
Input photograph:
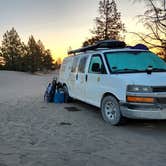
{"type": "Point", "coordinates": [159, 89]}
{"type": "Point", "coordinates": [161, 100]}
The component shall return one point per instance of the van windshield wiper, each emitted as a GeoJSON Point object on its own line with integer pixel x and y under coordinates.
{"type": "Point", "coordinates": [158, 69]}
{"type": "Point", "coordinates": [126, 70]}
{"type": "Point", "coordinates": [150, 69]}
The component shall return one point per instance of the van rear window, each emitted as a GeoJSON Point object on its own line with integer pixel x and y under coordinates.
{"type": "Point", "coordinates": [82, 65]}
{"type": "Point", "coordinates": [74, 65]}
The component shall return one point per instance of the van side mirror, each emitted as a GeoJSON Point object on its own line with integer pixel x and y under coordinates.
{"type": "Point", "coordinates": [96, 68]}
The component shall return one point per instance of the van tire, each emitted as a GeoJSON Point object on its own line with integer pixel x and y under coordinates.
{"type": "Point", "coordinates": [111, 112]}
{"type": "Point", "coordinates": [67, 98]}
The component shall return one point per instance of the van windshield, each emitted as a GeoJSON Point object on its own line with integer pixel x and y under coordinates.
{"type": "Point", "coordinates": [134, 61]}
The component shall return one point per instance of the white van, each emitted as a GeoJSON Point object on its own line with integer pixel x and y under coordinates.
{"type": "Point", "coordinates": [123, 82]}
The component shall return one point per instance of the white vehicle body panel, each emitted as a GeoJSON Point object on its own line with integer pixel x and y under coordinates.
{"type": "Point", "coordinates": [92, 90]}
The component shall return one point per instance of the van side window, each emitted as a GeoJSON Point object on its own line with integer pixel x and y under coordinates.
{"type": "Point", "coordinates": [63, 66]}
{"type": "Point", "coordinates": [96, 65]}
{"type": "Point", "coordinates": [81, 67]}
{"type": "Point", "coordinates": [74, 65]}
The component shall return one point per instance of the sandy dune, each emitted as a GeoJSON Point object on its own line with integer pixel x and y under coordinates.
{"type": "Point", "coordinates": [33, 133]}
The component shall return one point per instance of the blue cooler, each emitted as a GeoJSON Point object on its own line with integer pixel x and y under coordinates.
{"type": "Point", "coordinates": [59, 97]}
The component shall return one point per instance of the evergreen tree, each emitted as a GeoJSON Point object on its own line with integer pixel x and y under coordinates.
{"type": "Point", "coordinates": [47, 60]}
{"type": "Point", "coordinates": [46, 57]}
{"type": "Point", "coordinates": [34, 57]}
{"type": "Point", "coordinates": [42, 53]}
{"type": "Point", "coordinates": [1, 61]}
{"type": "Point", "coordinates": [20, 57]}
{"type": "Point", "coordinates": [108, 24]}
{"type": "Point", "coordinates": [12, 50]}
{"type": "Point", "coordinates": [38, 58]}
{"type": "Point", "coordinates": [25, 60]}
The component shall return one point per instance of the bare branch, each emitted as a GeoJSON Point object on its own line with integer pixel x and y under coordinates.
{"type": "Point", "coordinates": [143, 38]}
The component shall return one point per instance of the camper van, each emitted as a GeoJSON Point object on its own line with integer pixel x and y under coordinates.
{"type": "Point", "coordinates": [124, 82]}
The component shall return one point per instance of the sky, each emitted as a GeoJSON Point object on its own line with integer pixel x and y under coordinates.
{"type": "Point", "coordinates": [61, 24]}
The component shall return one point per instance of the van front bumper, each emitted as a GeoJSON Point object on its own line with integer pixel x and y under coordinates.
{"type": "Point", "coordinates": [143, 111]}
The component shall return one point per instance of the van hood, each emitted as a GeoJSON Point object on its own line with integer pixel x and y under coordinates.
{"type": "Point", "coordinates": [154, 79]}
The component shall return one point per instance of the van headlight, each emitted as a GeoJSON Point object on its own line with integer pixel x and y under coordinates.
{"type": "Point", "coordinates": [132, 95]}
{"type": "Point", "coordinates": [139, 89]}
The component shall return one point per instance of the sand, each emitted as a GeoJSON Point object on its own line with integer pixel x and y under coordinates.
{"type": "Point", "coordinates": [34, 133]}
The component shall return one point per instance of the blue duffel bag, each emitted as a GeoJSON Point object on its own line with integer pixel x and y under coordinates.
{"type": "Point", "coordinates": [59, 96]}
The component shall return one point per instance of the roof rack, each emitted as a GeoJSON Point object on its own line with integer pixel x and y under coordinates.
{"type": "Point", "coordinates": [104, 44]}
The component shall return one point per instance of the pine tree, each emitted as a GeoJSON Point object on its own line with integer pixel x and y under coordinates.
{"type": "Point", "coordinates": [42, 53]}
{"type": "Point", "coordinates": [108, 24]}
{"type": "Point", "coordinates": [12, 50]}
{"type": "Point", "coordinates": [15, 55]}
{"type": "Point", "coordinates": [2, 62]}
{"type": "Point", "coordinates": [47, 60]}
{"type": "Point", "coordinates": [25, 60]}
{"type": "Point", "coordinates": [38, 58]}
{"type": "Point", "coordinates": [34, 55]}
{"type": "Point", "coordinates": [46, 57]}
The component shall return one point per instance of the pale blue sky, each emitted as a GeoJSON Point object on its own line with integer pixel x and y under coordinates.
{"type": "Point", "coordinates": [60, 23]}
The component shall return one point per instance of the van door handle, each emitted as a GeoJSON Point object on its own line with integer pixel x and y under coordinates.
{"type": "Point", "coordinates": [76, 76]}
{"type": "Point", "coordinates": [86, 77]}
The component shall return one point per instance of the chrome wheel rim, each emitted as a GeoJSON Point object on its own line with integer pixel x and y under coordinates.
{"type": "Point", "coordinates": [111, 110]}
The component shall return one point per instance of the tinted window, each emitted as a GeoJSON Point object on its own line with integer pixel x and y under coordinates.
{"type": "Point", "coordinates": [97, 59]}
{"type": "Point", "coordinates": [82, 64]}
{"type": "Point", "coordinates": [74, 65]}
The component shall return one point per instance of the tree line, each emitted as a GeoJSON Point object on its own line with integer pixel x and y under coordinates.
{"type": "Point", "coordinates": [17, 56]}
{"type": "Point", "coordinates": [109, 26]}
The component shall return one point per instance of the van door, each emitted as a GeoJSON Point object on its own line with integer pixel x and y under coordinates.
{"type": "Point", "coordinates": [96, 78]}
{"type": "Point", "coordinates": [80, 79]}
{"type": "Point", "coordinates": [73, 77]}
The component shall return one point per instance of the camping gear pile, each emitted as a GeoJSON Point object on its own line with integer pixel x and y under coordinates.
{"type": "Point", "coordinates": [54, 92]}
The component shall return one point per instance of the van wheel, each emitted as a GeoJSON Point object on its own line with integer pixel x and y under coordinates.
{"type": "Point", "coordinates": [67, 98]}
{"type": "Point", "coordinates": [111, 111]}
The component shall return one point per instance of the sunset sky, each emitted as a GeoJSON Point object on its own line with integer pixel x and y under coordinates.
{"type": "Point", "coordinates": [61, 23]}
